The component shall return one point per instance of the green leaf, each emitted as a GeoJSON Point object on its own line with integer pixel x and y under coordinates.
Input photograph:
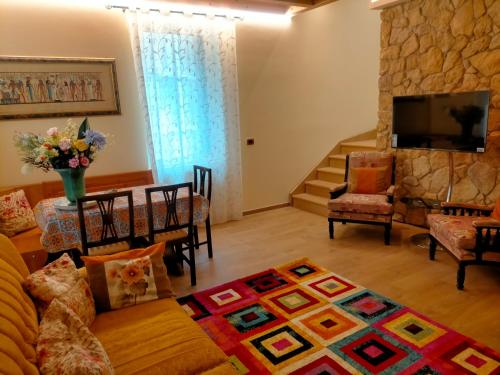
{"type": "Point", "coordinates": [83, 128]}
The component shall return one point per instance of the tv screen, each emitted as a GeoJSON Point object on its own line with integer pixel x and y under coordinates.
{"type": "Point", "coordinates": [452, 122]}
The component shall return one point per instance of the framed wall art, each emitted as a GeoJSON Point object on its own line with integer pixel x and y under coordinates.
{"type": "Point", "coordinates": [34, 87]}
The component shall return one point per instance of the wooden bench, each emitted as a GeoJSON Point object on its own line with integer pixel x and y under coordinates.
{"type": "Point", "coordinates": [28, 242]}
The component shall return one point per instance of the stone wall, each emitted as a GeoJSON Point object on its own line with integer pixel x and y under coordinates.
{"type": "Point", "coordinates": [440, 46]}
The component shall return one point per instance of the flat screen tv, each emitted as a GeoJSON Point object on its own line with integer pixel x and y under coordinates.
{"type": "Point", "coordinates": [451, 122]}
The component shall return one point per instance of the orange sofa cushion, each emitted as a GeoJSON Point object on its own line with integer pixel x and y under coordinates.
{"type": "Point", "coordinates": [156, 338]}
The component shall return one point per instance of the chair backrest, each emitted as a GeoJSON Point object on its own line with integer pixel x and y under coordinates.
{"type": "Point", "coordinates": [360, 159]}
{"type": "Point", "coordinates": [106, 208]}
{"type": "Point", "coordinates": [203, 181]}
{"type": "Point", "coordinates": [171, 212]}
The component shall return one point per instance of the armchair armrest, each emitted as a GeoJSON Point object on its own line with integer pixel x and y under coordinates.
{"type": "Point", "coordinates": [338, 190]}
{"type": "Point", "coordinates": [487, 236]}
{"type": "Point", "coordinates": [461, 209]}
{"type": "Point", "coordinates": [390, 194]}
{"type": "Point", "coordinates": [486, 223]}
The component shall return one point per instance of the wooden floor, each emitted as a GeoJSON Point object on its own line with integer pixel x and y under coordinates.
{"type": "Point", "coordinates": [401, 271]}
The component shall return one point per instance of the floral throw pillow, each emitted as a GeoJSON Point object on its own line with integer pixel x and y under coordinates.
{"type": "Point", "coordinates": [79, 299]}
{"type": "Point", "coordinates": [127, 279]}
{"type": "Point", "coordinates": [52, 280]}
{"type": "Point", "coordinates": [15, 213]}
{"type": "Point", "coordinates": [66, 346]}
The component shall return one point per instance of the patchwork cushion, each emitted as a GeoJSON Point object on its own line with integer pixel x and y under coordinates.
{"type": "Point", "coordinates": [66, 346]}
{"type": "Point", "coordinates": [15, 213]}
{"type": "Point", "coordinates": [361, 203]}
{"type": "Point", "coordinates": [52, 280]}
{"type": "Point", "coordinates": [367, 180]}
{"type": "Point", "coordinates": [128, 278]}
{"type": "Point", "coordinates": [457, 230]}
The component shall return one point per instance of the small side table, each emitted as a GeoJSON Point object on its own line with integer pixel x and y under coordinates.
{"type": "Point", "coordinates": [421, 239]}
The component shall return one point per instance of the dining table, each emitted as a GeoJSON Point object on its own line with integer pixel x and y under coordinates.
{"type": "Point", "coordinates": [61, 229]}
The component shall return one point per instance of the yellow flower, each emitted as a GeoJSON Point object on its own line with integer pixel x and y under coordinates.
{"type": "Point", "coordinates": [81, 145]}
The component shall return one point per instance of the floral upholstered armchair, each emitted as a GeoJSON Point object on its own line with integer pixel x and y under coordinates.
{"type": "Point", "coordinates": [366, 196]}
{"type": "Point", "coordinates": [469, 232]}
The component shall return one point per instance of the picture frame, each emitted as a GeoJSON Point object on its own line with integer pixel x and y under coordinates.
{"type": "Point", "coordinates": [38, 87]}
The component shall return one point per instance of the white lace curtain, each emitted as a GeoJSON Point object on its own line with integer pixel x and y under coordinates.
{"type": "Point", "coordinates": [186, 69]}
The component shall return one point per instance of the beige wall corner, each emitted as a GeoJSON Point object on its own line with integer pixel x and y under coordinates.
{"type": "Point", "coordinates": [303, 88]}
{"type": "Point", "coordinates": [32, 28]}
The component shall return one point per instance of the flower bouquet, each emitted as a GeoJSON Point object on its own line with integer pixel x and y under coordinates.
{"type": "Point", "coordinates": [69, 152]}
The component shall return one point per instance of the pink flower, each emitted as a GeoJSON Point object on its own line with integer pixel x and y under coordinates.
{"type": "Point", "coordinates": [73, 163]}
{"type": "Point", "coordinates": [84, 161]}
{"type": "Point", "coordinates": [52, 132]}
{"type": "Point", "coordinates": [65, 144]}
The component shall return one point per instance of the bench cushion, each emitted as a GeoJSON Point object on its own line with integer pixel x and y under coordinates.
{"type": "Point", "coordinates": [156, 338]}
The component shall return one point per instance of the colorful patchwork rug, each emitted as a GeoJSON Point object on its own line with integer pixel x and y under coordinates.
{"type": "Point", "coordinates": [300, 318]}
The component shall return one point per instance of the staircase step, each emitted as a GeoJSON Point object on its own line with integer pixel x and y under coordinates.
{"type": "Point", "coordinates": [311, 203]}
{"type": "Point", "coordinates": [348, 147]}
{"type": "Point", "coordinates": [331, 174]}
{"type": "Point", "coordinates": [337, 161]}
{"type": "Point", "coordinates": [320, 187]}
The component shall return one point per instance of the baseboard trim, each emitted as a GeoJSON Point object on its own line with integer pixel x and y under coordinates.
{"type": "Point", "coordinates": [268, 208]}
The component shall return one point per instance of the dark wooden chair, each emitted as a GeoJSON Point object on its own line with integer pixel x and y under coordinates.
{"type": "Point", "coordinates": [376, 209]}
{"type": "Point", "coordinates": [109, 240]}
{"type": "Point", "coordinates": [170, 228]}
{"type": "Point", "coordinates": [468, 233]}
{"type": "Point", "coordinates": [203, 186]}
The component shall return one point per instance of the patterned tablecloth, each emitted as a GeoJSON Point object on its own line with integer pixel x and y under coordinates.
{"type": "Point", "coordinates": [61, 230]}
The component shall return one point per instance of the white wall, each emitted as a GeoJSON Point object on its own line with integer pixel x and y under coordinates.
{"type": "Point", "coordinates": [302, 89]}
{"type": "Point", "coordinates": [32, 28]}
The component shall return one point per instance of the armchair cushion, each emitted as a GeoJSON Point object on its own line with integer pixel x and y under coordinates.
{"type": "Point", "coordinates": [367, 180]}
{"type": "Point", "coordinates": [361, 203]}
{"type": "Point", "coordinates": [457, 229]}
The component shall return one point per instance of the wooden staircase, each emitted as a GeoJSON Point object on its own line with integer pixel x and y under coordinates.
{"type": "Point", "coordinates": [314, 192]}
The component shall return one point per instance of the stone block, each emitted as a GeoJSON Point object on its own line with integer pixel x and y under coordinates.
{"type": "Point", "coordinates": [421, 167]}
{"type": "Point", "coordinates": [483, 176]}
{"type": "Point", "coordinates": [411, 45]}
{"type": "Point", "coordinates": [488, 63]}
{"type": "Point", "coordinates": [433, 83]}
{"type": "Point", "coordinates": [455, 75]}
{"type": "Point", "coordinates": [483, 26]}
{"type": "Point", "coordinates": [477, 45]}
{"type": "Point", "coordinates": [479, 8]}
{"type": "Point", "coordinates": [463, 20]}
{"type": "Point", "coordinates": [426, 41]}
{"type": "Point", "coordinates": [452, 59]}
{"type": "Point", "coordinates": [432, 61]}
{"type": "Point", "coordinates": [464, 191]}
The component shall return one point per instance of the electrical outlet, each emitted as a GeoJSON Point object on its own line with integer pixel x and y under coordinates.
{"type": "Point", "coordinates": [250, 141]}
